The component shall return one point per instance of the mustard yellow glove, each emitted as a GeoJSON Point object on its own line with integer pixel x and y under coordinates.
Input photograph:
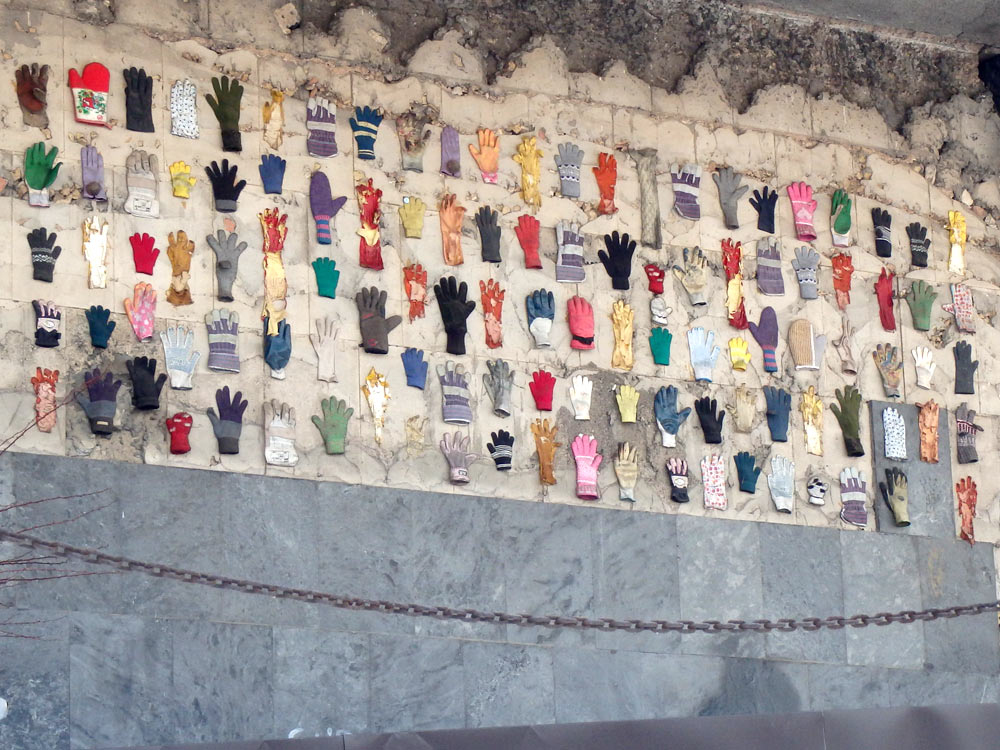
{"type": "Point", "coordinates": [181, 180]}
{"type": "Point", "coordinates": [812, 415]}
{"type": "Point", "coordinates": [957, 237]}
{"type": "Point", "coordinates": [411, 213]}
{"type": "Point", "coordinates": [622, 316]}
{"type": "Point", "coordinates": [739, 353]}
{"type": "Point", "coordinates": [530, 159]}
{"type": "Point", "coordinates": [274, 120]}
{"type": "Point", "coordinates": [628, 402]}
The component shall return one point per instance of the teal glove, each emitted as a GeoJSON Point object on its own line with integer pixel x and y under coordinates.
{"type": "Point", "coordinates": [327, 277]}
{"type": "Point", "coordinates": [659, 343]}
{"type": "Point", "coordinates": [40, 173]}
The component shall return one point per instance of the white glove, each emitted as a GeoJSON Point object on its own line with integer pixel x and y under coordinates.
{"type": "Point", "coordinates": [580, 391]}
{"type": "Point", "coordinates": [184, 109]}
{"type": "Point", "coordinates": [541, 330]}
{"type": "Point", "coordinates": [178, 357]}
{"type": "Point", "coordinates": [376, 392]}
{"type": "Point", "coordinates": [895, 434]}
{"type": "Point", "coordinates": [713, 478]}
{"type": "Point", "coordinates": [279, 430]}
{"type": "Point", "coordinates": [659, 310]}
{"type": "Point", "coordinates": [781, 482]}
{"type": "Point", "coordinates": [924, 361]}
{"type": "Point", "coordinates": [324, 342]}
{"type": "Point", "coordinates": [95, 250]}
{"type": "Point", "coordinates": [142, 180]}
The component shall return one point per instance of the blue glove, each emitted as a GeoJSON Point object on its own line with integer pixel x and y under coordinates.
{"type": "Point", "coordinates": [278, 349]}
{"type": "Point", "coordinates": [541, 306]}
{"type": "Point", "coordinates": [704, 353]}
{"type": "Point", "coordinates": [101, 327]}
{"type": "Point", "coordinates": [272, 173]}
{"type": "Point", "coordinates": [746, 471]}
{"type": "Point", "coordinates": [415, 367]}
{"type": "Point", "coordinates": [779, 404]}
{"type": "Point", "coordinates": [668, 419]}
{"type": "Point", "coordinates": [364, 125]}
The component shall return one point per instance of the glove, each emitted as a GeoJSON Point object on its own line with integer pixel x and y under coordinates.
{"type": "Point", "coordinates": [957, 237]}
{"type": "Point", "coordinates": [618, 259]}
{"type": "Point", "coordinates": [455, 310]}
{"type": "Point", "coordinates": [659, 344]}
{"type": "Point", "coordinates": [272, 174]}
{"type": "Point", "coordinates": [541, 306]}
{"type": "Point", "coordinates": [711, 419]}
{"type": "Point", "coordinates": [375, 327]}
{"type": "Point", "coordinates": [31, 85]}
{"type": "Point", "coordinates": [766, 334]}
{"type": "Point", "coordinates": [677, 468]}
{"type": "Point", "coordinates": [225, 189]}
{"type": "Point", "coordinates": [40, 173]}
{"type": "Point", "coordinates": [693, 276]}
{"type": "Point", "coordinates": [450, 214]}
{"type": "Point", "coordinates": [817, 489]}
{"type": "Point", "coordinates": [853, 494]}
{"type": "Point", "coordinates": [704, 353]}
{"type": "Point", "coordinates": [744, 409]}
{"type": "Point", "coordinates": [622, 317]}
{"type": "Point", "coordinates": [138, 100]}
{"type": "Point", "coordinates": [803, 208]}
{"type": "Point", "coordinates": [179, 357]}
{"type": "Point", "coordinates": [415, 285]}
{"type": "Point", "coordinates": [327, 277]}
{"type": "Point", "coordinates": [965, 369]}
{"type": "Point", "coordinates": [228, 423]}
{"type": "Point", "coordinates": [843, 269]}
{"type": "Point", "coordinates": [226, 106]}
{"type": "Point", "coordinates": [179, 251]}
{"type": "Point", "coordinates": [527, 235]}
{"type": "Point", "coordinates": [332, 425]}
{"type": "Point", "coordinates": [321, 127]}
{"type": "Point", "coordinates": [273, 115]}
{"type": "Point", "coordinates": [277, 348]}
{"type": "Point", "coordinates": [659, 311]}
{"type": "Point", "coordinates": [530, 159]}
{"type": "Point", "coordinates": [769, 278]}
{"type": "Point", "coordinates": [781, 482]}
{"type": "Point", "coordinates": [627, 471]}
{"type": "Point", "coordinates": [47, 317]}
{"type": "Point", "coordinates": [840, 218]}
{"type": "Point", "coordinates": [920, 300]}
{"type": "Point", "coordinates": [923, 360]}
{"type": "Point", "coordinates": [324, 343]}
{"type": "Point", "coordinates": [966, 427]}
{"type": "Point", "coordinates": [100, 401]}
{"type": "Point", "coordinates": [499, 384]}
{"type": "Point", "coordinates": [455, 394]}
{"type": "Point", "coordinates": [90, 94]}
{"type": "Point", "coordinates": [890, 366]}
{"type": "Point", "coordinates": [962, 307]}
{"type": "Point", "coordinates": [223, 340]}
{"type": "Point", "coordinates": [546, 446]}
{"type": "Point", "coordinates": [805, 264]}
{"type": "Point", "coordinates": [580, 391]}
{"type": "Point", "coordinates": [184, 109]}
{"type": "Point", "coordinates": [968, 496]}
{"type": "Point", "coordinates": [588, 462]}
{"type": "Point", "coordinates": [883, 292]}
{"type": "Point", "coordinates": [92, 170]}
{"type": "Point", "coordinates": [141, 310]}
{"type": "Point", "coordinates": [451, 164]}
{"type": "Point", "coordinates": [227, 249]}
{"type": "Point", "coordinates": [144, 254]}
{"type": "Point", "coordinates": [687, 185]}
{"type": "Point", "coordinates": [806, 349]}
{"type": "Point", "coordinates": [181, 180]}
{"type": "Point", "coordinates": [411, 213]}
{"type": "Point", "coordinates": [487, 158]}
{"type": "Point", "coordinates": [849, 417]}
{"type": "Point", "coordinates": [279, 434]}
{"type": "Point", "coordinates": [44, 253]}
{"type": "Point", "coordinates": [655, 275]}
{"type": "Point", "coordinates": [502, 448]}
{"type": "Point", "coordinates": [732, 254]}
{"type": "Point", "coordinates": [739, 353]}
{"type": "Point", "coordinates": [628, 401]}
{"type": "Point", "coordinates": [779, 406]}
{"type": "Point", "coordinates": [668, 419]}
{"type": "Point", "coordinates": [179, 426]}
{"type": "Point", "coordinates": [606, 174]}
{"type": "Point", "coordinates": [919, 244]}
{"type": "Point", "coordinates": [569, 256]}
{"type": "Point", "coordinates": [883, 232]}
{"type": "Point", "coordinates": [100, 325]}
{"type": "Point", "coordinates": [489, 233]}
{"type": "Point", "coordinates": [581, 322]}
{"type": "Point", "coordinates": [730, 191]}
{"type": "Point", "coordinates": [895, 493]}
{"type": "Point", "coordinates": [143, 183]}
{"type": "Point", "coordinates": [542, 385]}
{"type": "Point", "coordinates": [928, 425]}
{"type": "Point", "coordinates": [568, 162]}
{"type": "Point", "coordinates": [364, 125]}
{"type": "Point", "coordinates": [894, 433]}
{"type": "Point", "coordinates": [713, 479]}
{"type": "Point", "coordinates": [848, 364]}
{"type": "Point", "coordinates": [146, 386]}
{"type": "Point", "coordinates": [764, 204]}
{"type": "Point", "coordinates": [747, 472]}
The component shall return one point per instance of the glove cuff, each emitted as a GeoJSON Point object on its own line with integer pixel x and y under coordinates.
{"type": "Point", "coordinates": [698, 298]}
{"type": "Point", "coordinates": [781, 503]}
{"type": "Point", "coordinates": [38, 198]}
{"type": "Point", "coordinates": [854, 447]}
{"type": "Point", "coordinates": [620, 282]}
{"type": "Point", "coordinates": [146, 403]}
{"type": "Point", "coordinates": [323, 230]}
{"type": "Point", "coordinates": [679, 494]}
{"type": "Point", "coordinates": [459, 475]}
{"type": "Point", "coordinates": [703, 372]}
{"type": "Point", "coordinates": [667, 439]}
{"type": "Point", "coordinates": [102, 425]}
{"type": "Point", "coordinates": [334, 446]}
{"type": "Point", "coordinates": [770, 360]}
{"type": "Point", "coordinates": [42, 272]}
{"type": "Point", "coordinates": [456, 342]}
{"type": "Point", "coordinates": [766, 223]}
{"type": "Point", "coordinates": [582, 415]}
{"type": "Point", "coordinates": [963, 384]}
{"type": "Point", "coordinates": [626, 494]}
{"type": "Point", "coordinates": [582, 342]}
{"type": "Point", "coordinates": [180, 380]}
{"type": "Point", "coordinates": [232, 141]}
{"type": "Point", "coordinates": [229, 446]}
{"type": "Point", "coordinates": [919, 258]}
{"type": "Point", "coordinates": [586, 490]}
{"type": "Point", "coordinates": [967, 454]}
{"type": "Point", "coordinates": [415, 381]}
{"type": "Point", "coordinates": [841, 240]}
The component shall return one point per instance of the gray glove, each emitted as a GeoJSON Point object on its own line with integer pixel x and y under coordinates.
{"type": "Point", "coordinates": [806, 264]}
{"type": "Point", "coordinates": [228, 249]}
{"type": "Point", "coordinates": [568, 161]}
{"type": "Point", "coordinates": [499, 384]}
{"type": "Point", "coordinates": [730, 192]}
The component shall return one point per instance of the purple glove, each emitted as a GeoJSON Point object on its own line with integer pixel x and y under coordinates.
{"type": "Point", "coordinates": [93, 174]}
{"type": "Point", "coordinates": [321, 126]}
{"type": "Point", "coordinates": [323, 205]}
{"type": "Point", "coordinates": [769, 278]}
{"type": "Point", "coordinates": [766, 334]}
{"type": "Point", "coordinates": [451, 164]}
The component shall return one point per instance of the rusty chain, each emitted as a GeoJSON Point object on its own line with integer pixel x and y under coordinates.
{"type": "Point", "coordinates": [808, 624]}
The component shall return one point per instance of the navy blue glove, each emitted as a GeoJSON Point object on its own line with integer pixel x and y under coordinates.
{"type": "Point", "coordinates": [415, 367]}
{"type": "Point", "coordinates": [278, 349]}
{"type": "Point", "coordinates": [101, 327]}
{"type": "Point", "coordinates": [668, 419]}
{"type": "Point", "coordinates": [272, 173]}
{"type": "Point", "coordinates": [746, 471]}
{"type": "Point", "coordinates": [779, 404]}
{"type": "Point", "coordinates": [541, 306]}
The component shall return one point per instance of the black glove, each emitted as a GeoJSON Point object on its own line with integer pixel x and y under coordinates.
{"type": "Point", "coordinates": [618, 260]}
{"type": "Point", "coordinates": [225, 189]}
{"type": "Point", "coordinates": [711, 419]}
{"type": "Point", "coordinates": [47, 317]}
{"type": "Point", "coordinates": [883, 232]}
{"type": "Point", "coordinates": [43, 254]}
{"type": "Point", "coordinates": [764, 205]}
{"type": "Point", "coordinates": [489, 233]}
{"type": "Point", "coordinates": [501, 449]}
{"type": "Point", "coordinates": [138, 101]}
{"type": "Point", "coordinates": [146, 386]}
{"type": "Point", "coordinates": [374, 325]}
{"type": "Point", "coordinates": [455, 308]}
{"type": "Point", "coordinates": [919, 244]}
{"type": "Point", "coordinates": [965, 368]}
{"type": "Point", "coordinates": [677, 468]}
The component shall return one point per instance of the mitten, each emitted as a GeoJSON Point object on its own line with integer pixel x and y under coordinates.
{"type": "Point", "coordinates": [766, 335]}
{"type": "Point", "coordinates": [90, 94]}
{"type": "Point", "coordinates": [179, 427]}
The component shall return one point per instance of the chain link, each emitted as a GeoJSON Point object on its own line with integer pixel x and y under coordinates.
{"type": "Point", "coordinates": [808, 624]}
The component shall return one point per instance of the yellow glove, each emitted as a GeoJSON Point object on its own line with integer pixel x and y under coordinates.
{"type": "Point", "coordinates": [739, 353]}
{"type": "Point", "coordinates": [627, 471]}
{"type": "Point", "coordinates": [181, 180]}
{"type": "Point", "coordinates": [621, 321]}
{"type": "Point", "coordinates": [274, 119]}
{"type": "Point", "coordinates": [744, 409]}
{"type": "Point", "coordinates": [411, 213]}
{"type": "Point", "coordinates": [628, 402]}
{"type": "Point", "coordinates": [530, 159]}
{"type": "Point", "coordinates": [957, 237]}
{"type": "Point", "coordinates": [812, 415]}
{"type": "Point", "coordinates": [734, 294]}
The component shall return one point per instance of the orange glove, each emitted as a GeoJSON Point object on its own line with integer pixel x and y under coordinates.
{"type": "Point", "coordinates": [415, 284]}
{"type": "Point", "coordinates": [450, 215]}
{"type": "Point", "coordinates": [492, 299]}
{"type": "Point", "coordinates": [606, 173]}
{"type": "Point", "coordinates": [843, 267]}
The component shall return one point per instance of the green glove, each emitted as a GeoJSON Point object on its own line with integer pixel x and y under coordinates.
{"type": "Point", "coordinates": [849, 417]}
{"type": "Point", "coordinates": [226, 105]}
{"type": "Point", "coordinates": [659, 342]}
{"type": "Point", "coordinates": [921, 298]}
{"type": "Point", "coordinates": [840, 211]}
{"type": "Point", "coordinates": [327, 277]}
{"type": "Point", "coordinates": [333, 425]}
{"type": "Point", "coordinates": [39, 173]}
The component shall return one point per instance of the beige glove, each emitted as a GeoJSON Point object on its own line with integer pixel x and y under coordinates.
{"type": "Point", "coordinates": [806, 348]}
{"type": "Point", "coordinates": [627, 471]}
{"type": "Point", "coordinates": [957, 237]}
{"type": "Point", "coordinates": [376, 393]}
{"type": "Point", "coordinates": [546, 446]}
{"type": "Point", "coordinates": [812, 416]}
{"type": "Point", "coordinates": [179, 250]}
{"type": "Point", "coordinates": [450, 214]}
{"type": "Point", "coordinates": [621, 320]}
{"type": "Point", "coordinates": [927, 422]}
{"type": "Point", "coordinates": [274, 120]}
{"type": "Point", "coordinates": [95, 251]}
{"type": "Point", "coordinates": [744, 409]}
{"type": "Point", "coordinates": [411, 213]}
{"type": "Point", "coordinates": [530, 159]}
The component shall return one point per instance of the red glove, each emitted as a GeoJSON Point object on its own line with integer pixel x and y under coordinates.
{"type": "Point", "coordinates": [732, 254]}
{"type": "Point", "coordinates": [883, 291]}
{"type": "Point", "coordinates": [843, 268]}
{"type": "Point", "coordinates": [581, 323]}
{"type": "Point", "coordinates": [179, 427]}
{"type": "Point", "coordinates": [415, 284]}
{"type": "Point", "coordinates": [606, 173]}
{"type": "Point", "coordinates": [527, 234]}
{"type": "Point", "coordinates": [655, 275]}
{"type": "Point", "coordinates": [143, 253]}
{"type": "Point", "coordinates": [370, 247]}
{"type": "Point", "coordinates": [542, 384]}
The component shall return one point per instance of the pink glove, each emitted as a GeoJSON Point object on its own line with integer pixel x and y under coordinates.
{"type": "Point", "coordinates": [803, 208]}
{"type": "Point", "coordinates": [141, 311]}
{"type": "Point", "coordinates": [581, 323]}
{"type": "Point", "coordinates": [713, 477]}
{"type": "Point", "coordinates": [962, 307]}
{"type": "Point", "coordinates": [588, 461]}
